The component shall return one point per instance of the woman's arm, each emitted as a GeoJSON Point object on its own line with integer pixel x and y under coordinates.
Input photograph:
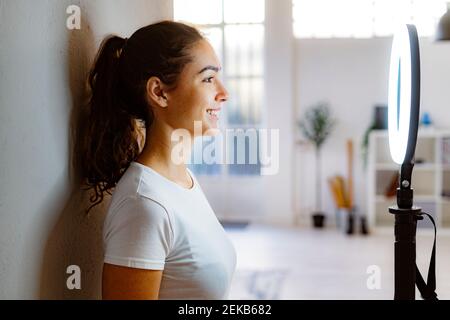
{"type": "Point", "coordinates": [124, 283]}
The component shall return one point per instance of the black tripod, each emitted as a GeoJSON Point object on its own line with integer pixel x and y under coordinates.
{"type": "Point", "coordinates": [407, 274]}
{"type": "Point", "coordinates": [404, 104]}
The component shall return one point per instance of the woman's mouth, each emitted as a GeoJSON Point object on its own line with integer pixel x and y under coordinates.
{"type": "Point", "coordinates": [213, 113]}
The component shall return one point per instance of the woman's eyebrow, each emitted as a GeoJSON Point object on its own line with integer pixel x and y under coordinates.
{"type": "Point", "coordinates": [216, 69]}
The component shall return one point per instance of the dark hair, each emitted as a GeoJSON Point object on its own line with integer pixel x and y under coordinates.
{"type": "Point", "coordinates": [118, 103]}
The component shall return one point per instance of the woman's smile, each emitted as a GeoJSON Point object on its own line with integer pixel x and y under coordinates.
{"type": "Point", "coordinates": [213, 113]}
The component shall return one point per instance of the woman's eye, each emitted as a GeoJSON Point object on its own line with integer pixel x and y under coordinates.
{"type": "Point", "coordinates": [208, 79]}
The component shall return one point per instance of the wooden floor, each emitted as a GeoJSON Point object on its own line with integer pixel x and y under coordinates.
{"type": "Point", "coordinates": [298, 263]}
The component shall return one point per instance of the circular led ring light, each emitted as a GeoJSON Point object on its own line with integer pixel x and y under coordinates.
{"type": "Point", "coordinates": [404, 94]}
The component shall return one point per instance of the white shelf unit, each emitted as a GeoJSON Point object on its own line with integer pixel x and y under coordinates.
{"type": "Point", "coordinates": [430, 179]}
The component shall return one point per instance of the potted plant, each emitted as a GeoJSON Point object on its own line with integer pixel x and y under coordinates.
{"type": "Point", "coordinates": [316, 126]}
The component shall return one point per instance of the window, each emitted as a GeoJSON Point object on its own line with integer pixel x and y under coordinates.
{"type": "Point", "coordinates": [235, 28]}
{"type": "Point", "coordinates": [363, 18]}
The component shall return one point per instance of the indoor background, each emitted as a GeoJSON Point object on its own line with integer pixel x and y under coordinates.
{"type": "Point", "coordinates": [280, 58]}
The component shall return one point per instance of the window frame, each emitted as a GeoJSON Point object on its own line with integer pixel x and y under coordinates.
{"type": "Point", "coordinates": [225, 168]}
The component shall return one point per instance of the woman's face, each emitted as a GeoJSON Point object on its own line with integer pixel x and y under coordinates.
{"type": "Point", "coordinates": [199, 94]}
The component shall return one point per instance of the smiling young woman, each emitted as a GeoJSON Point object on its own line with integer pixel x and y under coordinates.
{"type": "Point", "coordinates": [161, 236]}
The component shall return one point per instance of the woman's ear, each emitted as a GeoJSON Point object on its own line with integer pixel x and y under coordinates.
{"type": "Point", "coordinates": [155, 92]}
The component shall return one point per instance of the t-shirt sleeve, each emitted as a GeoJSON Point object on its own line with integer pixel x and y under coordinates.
{"type": "Point", "coordinates": [139, 235]}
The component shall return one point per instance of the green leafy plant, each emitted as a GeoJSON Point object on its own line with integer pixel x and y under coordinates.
{"type": "Point", "coordinates": [316, 125]}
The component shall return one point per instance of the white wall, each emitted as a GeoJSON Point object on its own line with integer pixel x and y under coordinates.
{"type": "Point", "coordinates": [42, 67]}
{"type": "Point", "coordinates": [352, 74]}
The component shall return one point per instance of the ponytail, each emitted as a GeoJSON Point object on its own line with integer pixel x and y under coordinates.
{"type": "Point", "coordinates": [110, 130]}
{"type": "Point", "coordinates": [118, 104]}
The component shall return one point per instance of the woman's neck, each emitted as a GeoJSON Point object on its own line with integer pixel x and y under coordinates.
{"type": "Point", "coordinates": [167, 157]}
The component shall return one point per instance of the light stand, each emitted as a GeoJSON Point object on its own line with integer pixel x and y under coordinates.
{"type": "Point", "coordinates": [404, 95]}
{"type": "Point", "coordinates": [406, 216]}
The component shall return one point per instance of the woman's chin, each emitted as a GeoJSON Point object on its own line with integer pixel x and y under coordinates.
{"type": "Point", "coordinates": [211, 131]}
{"type": "Point", "coordinates": [211, 127]}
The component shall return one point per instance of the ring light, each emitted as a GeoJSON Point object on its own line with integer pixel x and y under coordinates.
{"type": "Point", "coordinates": [404, 94]}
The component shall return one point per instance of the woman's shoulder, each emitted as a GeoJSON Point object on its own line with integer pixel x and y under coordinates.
{"type": "Point", "coordinates": [137, 210]}
{"type": "Point", "coordinates": [138, 206]}
{"type": "Point", "coordinates": [135, 185]}
{"type": "Point", "coordinates": [138, 219]}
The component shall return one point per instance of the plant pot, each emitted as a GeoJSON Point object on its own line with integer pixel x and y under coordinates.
{"type": "Point", "coordinates": [318, 220]}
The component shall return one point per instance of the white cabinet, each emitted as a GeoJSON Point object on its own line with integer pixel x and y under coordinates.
{"type": "Point", "coordinates": [430, 179]}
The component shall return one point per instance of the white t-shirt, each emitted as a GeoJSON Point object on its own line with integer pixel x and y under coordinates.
{"type": "Point", "coordinates": [154, 223]}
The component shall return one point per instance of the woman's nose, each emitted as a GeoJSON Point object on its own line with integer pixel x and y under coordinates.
{"type": "Point", "coordinates": [223, 94]}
